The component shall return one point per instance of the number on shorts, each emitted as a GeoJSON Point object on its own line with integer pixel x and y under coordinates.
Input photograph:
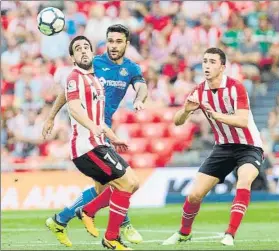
{"type": "Point", "coordinates": [117, 164]}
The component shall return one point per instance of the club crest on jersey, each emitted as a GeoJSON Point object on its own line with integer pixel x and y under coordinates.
{"type": "Point", "coordinates": [123, 72]}
{"type": "Point", "coordinates": [72, 86]}
{"type": "Point", "coordinates": [226, 100]}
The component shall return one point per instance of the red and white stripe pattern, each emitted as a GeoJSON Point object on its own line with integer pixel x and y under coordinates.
{"type": "Point", "coordinates": [86, 87]}
{"type": "Point", "coordinates": [189, 216]}
{"type": "Point", "coordinates": [239, 208]}
{"type": "Point", "coordinates": [117, 209]}
{"type": "Point", "coordinates": [231, 95]}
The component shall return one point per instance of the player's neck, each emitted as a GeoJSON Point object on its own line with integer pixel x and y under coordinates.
{"type": "Point", "coordinates": [118, 61]}
{"type": "Point", "coordinates": [91, 70]}
{"type": "Point", "coordinates": [216, 82]}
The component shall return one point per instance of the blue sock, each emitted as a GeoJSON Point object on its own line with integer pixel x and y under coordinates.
{"type": "Point", "coordinates": [126, 221]}
{"type": "Point", "coordinates": [68, 213]}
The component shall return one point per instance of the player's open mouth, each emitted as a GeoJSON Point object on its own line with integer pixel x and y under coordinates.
{"type": "Point", "coordinates": [114, 52]}
{"type": "Point", "coordinates": [206, 72]}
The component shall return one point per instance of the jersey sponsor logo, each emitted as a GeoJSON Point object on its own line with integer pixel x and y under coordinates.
{"type": "Point", "coordinates": [98, 97]}
{"type": "Point", "coordinates": [118, 84]}
{"type": "Point", "coordinates": [72, 86]}
{"type": "Point", "coordinates": [123, 72]}
{"type": "Point", "coordinates": [105, 69]}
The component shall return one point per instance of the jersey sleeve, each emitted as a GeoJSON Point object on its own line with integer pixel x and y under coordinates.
{"type": "Point", "coordinates": [137, 75]}
{"type": "Point", "coordinates": [240, 97]}
{"type": "Point", "coordinates": [72, 87]}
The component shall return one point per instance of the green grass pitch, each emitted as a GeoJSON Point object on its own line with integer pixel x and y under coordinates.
{"type": "Point", "coordinates": [25, 230]}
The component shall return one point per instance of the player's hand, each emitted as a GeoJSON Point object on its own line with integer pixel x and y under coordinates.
{"type": "Point", "coordinates": [210, 111]}
{"type": "Point", "coordinates": [120, 145]}
{"type": "Point", "coordinates": [98, 130]}
{"type": "Point", "coordinates": [47, 128]}
{"type": "Point", "coordinates": [191, 104]}
{"type": "Point", "coordinates": [138, 105]}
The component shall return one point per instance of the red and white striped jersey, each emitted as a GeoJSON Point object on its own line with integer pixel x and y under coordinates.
{"type": "Point", "coordinates": [228, 98]}
{"type": "Point", "coordinates": [86, 87]}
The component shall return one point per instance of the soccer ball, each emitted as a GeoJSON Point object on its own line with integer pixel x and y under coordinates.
{"type": "Point", "coordinates": [50, 21]}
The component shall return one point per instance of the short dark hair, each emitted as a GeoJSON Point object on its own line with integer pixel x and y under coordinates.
{"type": "Point", "coordinates": [218, 51]}
{"type": "Point", "coordinates": [119, 28]}
{"type": "Point", "coordinates": [71, 51]}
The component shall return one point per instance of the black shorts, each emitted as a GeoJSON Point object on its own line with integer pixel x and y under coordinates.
{"type": "Point", "coordinates": [225, 158]}
{"type": "Point", "coordinates": [102, 164]}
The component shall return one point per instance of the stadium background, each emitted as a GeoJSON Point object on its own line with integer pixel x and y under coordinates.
{"type": "Point", "coordinates": [167, 41]}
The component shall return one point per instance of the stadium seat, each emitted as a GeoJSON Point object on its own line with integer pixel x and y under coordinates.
{"type": "Point", "coordinates": [127, 157]}
{"type": "Point", "coordinates": [137, 145]}
{"type": "Point", "coordinates": [182, 135]}
{"type": "Point", "coordinates": [163, 147]}
{"type": "Point", "coordinates": [165, 114]}
{"type": "Point", "coordinates": [144, 160]}
{"type": "Point", "coordinates": [133, 130]}
{"type": "Point", "coordinates": [185, 131]}
{"type": "Point", "coordinates": [124, 116]}
{"type": "Point", "coordinates": [144, 116]}
{"type": "Point", "coordinates": [154, 130]}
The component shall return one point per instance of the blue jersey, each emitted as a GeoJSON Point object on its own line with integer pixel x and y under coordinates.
{"type": "Point", "coordinates": [116, 80]}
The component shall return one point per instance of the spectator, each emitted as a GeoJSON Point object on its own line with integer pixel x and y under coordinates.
{"type": "Point", "coordinates": [233, 35]}
{"type": "Point", "coordinates": [249, 57]}
{"type": "Point", "coordinates": [54, 47]}
{"type": "Point", "coordinates": [265, 35]}
{"type": "Point", "coordinates": [58, 148]}
{"type": "Point", "coordinates": [97, 20]}
{"type": "Point", "coordinates": [158, 89]}
{"type": "Point", "coordinates": [27, 80]}
{"type": "Point", "coordinates": [183, 86]}
{"type": "Point", "coordinates": [173, 67]}
{"type": "Point", "coordinates": [273, 12]}
{"type": "Point", "coordinates": [74, 19]}
{"type": "Point", "coordinates": [28, 138]}
{"type": "Point", "coordinates": [206, 34]}
{"type": "Point", "coordinates": [182, 37]}
{"type": "Point", "coordinates": [11, 57]}
{"type": "Point", "coordinates": [31, 45]}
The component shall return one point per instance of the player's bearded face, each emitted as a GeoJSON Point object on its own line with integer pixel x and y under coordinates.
{"type": "Point", "coordinates": [116, 54]}
{"type": "Point", "coordinates": [116, 45]}
{"type": "Point", "coordinates": [85, 63]}
{"type": "Point", "coordinates": [83, 56]}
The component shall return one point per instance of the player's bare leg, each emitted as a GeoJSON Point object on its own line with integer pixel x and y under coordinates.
{"type": "Point", "coordinates": [119, 196]}
{"type": "Point", "coordinates": [247, 173]}
{"type": "Point", "coordinates": [202, 185]}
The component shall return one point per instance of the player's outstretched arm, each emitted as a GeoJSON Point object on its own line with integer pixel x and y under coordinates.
{"type": "Point", "coordinates": [141, 95]}
{"type": "Point", "coordinates": [78, 113]}
{"type": "Point", "coordinates": [238, 119]}
{"type": "Point", "coordinates": [183, 114]}
{"type": "Point", "coordinates": [58, 104]}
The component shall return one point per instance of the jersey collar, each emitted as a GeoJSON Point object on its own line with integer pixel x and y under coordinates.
{"type": "Point", "coordinates": [222, 86]}
{"type": "Point", "coordinates": [82, 70]}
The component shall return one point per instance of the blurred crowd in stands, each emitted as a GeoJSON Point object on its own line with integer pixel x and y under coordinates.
{"type": "Point", "coordinates": [168, 39]}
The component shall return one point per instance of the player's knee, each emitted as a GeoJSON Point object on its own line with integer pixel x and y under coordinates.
{"type": "Point", "coordinates": [132, 185]}
{"type": "Point", "coordinates": [195, 198]}
{"type": "Point", "coordinates": [135, 184]}
{"type": "Point", "coordinates": [244, 183]}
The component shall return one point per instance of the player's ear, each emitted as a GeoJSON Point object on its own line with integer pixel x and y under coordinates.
{"type": "Point", "coordinates": [73, 60]}
{"type": "Point", "coordinates": [128, 43]}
